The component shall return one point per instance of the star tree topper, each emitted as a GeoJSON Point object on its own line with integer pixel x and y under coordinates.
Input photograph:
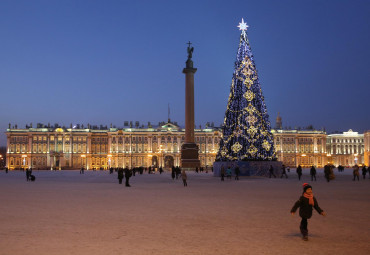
{"type": "Point", "coordinates": [243, 26]}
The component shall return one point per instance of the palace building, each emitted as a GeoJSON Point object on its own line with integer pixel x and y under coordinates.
{"type": "Point", "coordinates": [300, 147]}
{"type": "Point", "coordinates": [55, 147]}
{"type": "Point", "coordinates": [102, 148]}
{"type": "Point", "coordinates": [367, 148]}
{"type": "Point", "coordinates": [346, 149]}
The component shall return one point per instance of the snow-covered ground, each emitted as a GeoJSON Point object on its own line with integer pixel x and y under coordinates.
{"type": "Point", "coordinates": [64, 212]}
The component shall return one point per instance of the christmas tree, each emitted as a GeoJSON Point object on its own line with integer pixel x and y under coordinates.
{"type": "Point", "coordinates": [246, 129]}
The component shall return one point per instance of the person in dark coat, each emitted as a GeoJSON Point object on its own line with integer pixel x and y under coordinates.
{"type": "Point", "coordinates": [356, 172]}
{"type": "Point", "coordinates": [237, 172]}
{"type": "Point", "coordinates": [313, 173]}
{"type": "Point", "coordinates": [120, 175]}
{"type": "Point", "coordinates": [127, 176]}
{"type": "Point", "coordinates": [28, 174]}
{"type": "Point", "coordinates": [306, 203]}
{"type": "Point", "coordinates": [364, 172]}
{"type": "Point", "coordinates": [327, 172]}
{"type": "Point", "coordinates": [6, 170]}
{"type": "Point", "coordinates": [271, 171]}
{"type": "Point", "coordinates": [173, 173]}
{"type": "Point", "coordinates": [178, 172]}
{"type": "Point", "coordinates": [299, 172]}
{"type": "Point", "coordinates": [283, 172]}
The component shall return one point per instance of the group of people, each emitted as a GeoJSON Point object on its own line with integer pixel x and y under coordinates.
{"type": "Point", "coordinates": [228, 172]}
{"type": "Point", "coordinates": [29, 175]}
{"type": "Point", "coordinates": [176, 172]}
{"type": "Point", "coordinates": [356, 172]}
{"type": "Point", "coordinates": [201, 169]}
{"type": "Point", "coordinates": [124, 173]}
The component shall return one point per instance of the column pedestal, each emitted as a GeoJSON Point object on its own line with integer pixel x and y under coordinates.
{"type": "Point", "coordinates": [190, 156]}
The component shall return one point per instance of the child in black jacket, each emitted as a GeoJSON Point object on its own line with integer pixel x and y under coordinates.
{"type": "Point", "coordinates": [306, 203]}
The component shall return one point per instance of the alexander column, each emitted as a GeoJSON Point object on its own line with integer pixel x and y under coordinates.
{"type": "Point", "coordinates": [189, 149]}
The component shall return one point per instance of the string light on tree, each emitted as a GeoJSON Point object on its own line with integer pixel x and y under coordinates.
{"type": "Point", "coordinates": [246, 129]}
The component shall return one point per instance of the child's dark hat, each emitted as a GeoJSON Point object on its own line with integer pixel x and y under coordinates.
{"type": "Point", "coordinates": [306, 186]}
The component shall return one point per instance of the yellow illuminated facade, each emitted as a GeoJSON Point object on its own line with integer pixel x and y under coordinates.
{"type": "Point", "coordinates": [60, 148]}
{"type": "Point", "coordinates": [297, 147]}
{"type": "Point", "coordinates": [72, 148]}
{"type": "Point", "coordinates": [367, 148]}
{"type": "Point", "coordinates": [346, 149]}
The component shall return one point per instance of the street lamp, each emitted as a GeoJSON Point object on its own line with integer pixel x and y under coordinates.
{"type": "Point", "coordinates": [24, 160]}
{"type": "Point", "coordinates": [161, 153]}
{"type": "Point", "coordinates": [109, 160]}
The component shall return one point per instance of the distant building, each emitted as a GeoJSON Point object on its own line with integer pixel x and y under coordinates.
{"type": "Point", "coordinates": [93, 148]}
{"type": "Point", "coordinates": [346, 149]}
{"type": "Point", "coordinates": [367, 148]}
{"type": "Point", "coordinates": [54, 147]}
{"type": "Point", "coordinates": [300, 147]}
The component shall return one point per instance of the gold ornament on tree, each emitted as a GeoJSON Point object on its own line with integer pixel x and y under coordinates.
{"type": "Point", "coordinates": [249, 95]}
{"type": "Point", "coordinates": [266, 145]}
{"type": "Point", "coordinates": [236, 147]}
{"type": "Point", "coordinates": [252, 150]}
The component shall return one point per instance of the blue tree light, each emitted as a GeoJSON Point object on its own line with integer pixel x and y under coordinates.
{"type": "Point", "coordinates": [246, 129]}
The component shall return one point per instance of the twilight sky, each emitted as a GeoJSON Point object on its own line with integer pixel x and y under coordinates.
{"type": "Point", "coordinates": [103, 62]}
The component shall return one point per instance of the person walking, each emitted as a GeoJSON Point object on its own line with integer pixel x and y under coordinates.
{"type": "Point", "coordinates": [283, 172]}
{"type": "Point", "coordinates": [184, 177]}
{"type": "Point", "coordinates": [313, 173]}
{"type": "Point", "coordinates": [173, 174]}
{"type": "Point", "coordinates": [28, 174]}
{"type": "Point", "coordinates": [178, 172]}
{"type": "Point", "coordinates": [327, 172]}
{"type": "Point", "coordinates": [364, 172]}
{"type": "Point", "coordinates": [356, 173]}
{"type": "Point", "coordinates": [306, 203]}
{"type": "Point", "coordinates": [128, 174]}
{"type": "Point", "coordinates": [271, 171]}
{"type": "Point", "coordinates": [120, 175]}
{"type": "Point", "coordinates": [237, 172]}
{"type": "Point", "coordinates": [222, 173]}
{"type": "Point", "coordinates": [299, 172]}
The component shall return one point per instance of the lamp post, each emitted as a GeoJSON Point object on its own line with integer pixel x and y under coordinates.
{"type": "Point", "coordinates": [109, 160]}
{"type": "Point", "coordinates": [24, 160]}
{"type": "Point", "coordinates": [161, 154]}
{"type": "Point", "coordinates": [355, 158]}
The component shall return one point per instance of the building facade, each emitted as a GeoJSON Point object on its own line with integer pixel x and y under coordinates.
{"type": "Point", "coordinates": [346, 149]}
{"type": "Point", "coordinates": [61, 148]}
{"type": "Point", "coordinates": [367, 148]}
{"type": "Point", "coordinates": [296, 147]}
{"type": "Point", "coordinates": [102, 148]}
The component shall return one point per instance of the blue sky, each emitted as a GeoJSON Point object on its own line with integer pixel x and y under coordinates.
{"type": "Point", "coordinates": [103, 62]}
